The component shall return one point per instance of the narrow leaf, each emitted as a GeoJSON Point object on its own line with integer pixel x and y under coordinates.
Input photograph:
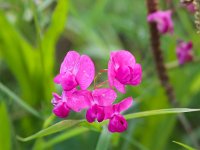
{"type": "Point", "coordinates": [19, 101]}
{"type": "Point", "coordinates": [5, 135]}
{"type": "Point", "coordinates": [184, 145]}
{"type": "Point", "coordinates": [159, 112]}
{"type": "Point", "coordinates": [104, 140]}
{"type": "Point", "coordinates": [52, 129]}
{"type": "Point", "coordinates": [64, 136]}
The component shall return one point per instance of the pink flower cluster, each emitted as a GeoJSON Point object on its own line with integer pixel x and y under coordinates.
{"type": "Point", "coordinates": [165, 24]}
{"type": "Point", "coordinates": [77, 73]}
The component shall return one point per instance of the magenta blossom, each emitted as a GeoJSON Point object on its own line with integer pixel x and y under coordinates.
{"type": "Point", "coordinates": [163, 20]}
{"type": "Point", "coordinates": [184, 52]}
{"type": "Point", "coordinates": [75, 70]}
{"type": "Point", "coordinates": [99, 99]}
{"type": "Point", "coordinates": [123, 70]}
{"type": "Point", "coordinates": [117, 123]}
{"type": "Point", "coordinates": [69, 100]}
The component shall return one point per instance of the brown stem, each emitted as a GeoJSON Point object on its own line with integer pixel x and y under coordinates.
{"type": "Point", "coordinates": [152, 6]}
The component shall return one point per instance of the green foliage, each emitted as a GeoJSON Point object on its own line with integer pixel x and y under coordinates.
{"type": "Point", "coordinates": [184, 145]}
{"type": "Point", "coordinates": [34, 34]}
{"type": "Point", "coordinates": [5, 128]}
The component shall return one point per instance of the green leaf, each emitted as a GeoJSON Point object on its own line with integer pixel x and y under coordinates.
{"type": "Point", "coordinates": [52, 34]}
{"type": "Point", "coordinates": [104, 140]}
{"type": "Point", "coordinates": [64, 136]}
{"type": "Point", "coordinates": [52, 129]}
{"type": "Point", "coordinates": [5, 134]}
{"type": "Point", "coordinates": [184, 145]}
{"type": "Point", "coordinates": [159, 112]}
{"type": "Point", "coordinates": [18, 100]}
{"type": "Point", "coordinates": [70, 123]}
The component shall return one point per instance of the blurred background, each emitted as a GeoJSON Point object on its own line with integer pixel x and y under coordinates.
{"type": "Point", "coordinates": [35, 35]}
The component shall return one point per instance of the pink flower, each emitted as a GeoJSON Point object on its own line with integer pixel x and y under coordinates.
{"type": "Point", "coordinates": [190, 7]}
{"type": "Point", "coordinates": [69, 100]}
{"type": "Point", "coordinates": [75, 70]}
{"type": "Point", "coordinates": [99, 99]}
{"type": "Point", "coordinates": [123, 70]}
{"type": "Point", "coordinates": [117, 123]}
{"type": "Point", "coordinates": [184, 52]}
{"type": "Point", "coordinates": [163, 20]}
{"type": "Point", "coordinates": [60, 106]}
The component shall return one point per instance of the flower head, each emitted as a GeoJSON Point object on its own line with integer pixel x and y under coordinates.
{"type": "Point", "coordinates": [117, 123]}
{"type": "Point", "coordinates": [69, 100]}
{"type": "Point", "coordinates": [99, 99]}
{"type": "Point", "coordinates": [184, 52]}
{"type": "Point", "coordinates": [75, 70]}
{"type": "Point", "coordinates": [163, 20]}
{"type": "Point", "coordinates": [123, 70]}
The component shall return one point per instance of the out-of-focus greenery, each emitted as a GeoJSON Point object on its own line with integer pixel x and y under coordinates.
{"type": "Point", "coordinates": [35, 35]}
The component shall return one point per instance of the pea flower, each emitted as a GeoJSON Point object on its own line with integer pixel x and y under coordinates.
{"type": "Point", "coordinates": [69, 100]}
{"type": "Point", "coordinates": [117, 123]}
{"type": "Point", "coordinates": [163, 20]}
{"type": "Point", "coordinates": [184, 52]}
{"type": "Point", "coordinates": [75, 70]}
{"type": "Point", "coordinates": [123, 70]}
{"type": "Point", "coordinates": [99, 99]}
{"type": "Point", "coordinates": [188, 5]}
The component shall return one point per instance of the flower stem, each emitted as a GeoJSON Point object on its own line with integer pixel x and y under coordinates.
{"type": "Point", "coordinates": [152, 6]}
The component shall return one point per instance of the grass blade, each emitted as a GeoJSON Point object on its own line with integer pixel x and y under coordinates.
{"type": "Point", "coordinates": [184, 145]}
{"type": "Point", "coordinates": [159, 112]}
{"type": "Point", "coordinates": [104, 140]}
{"type": "Point", "coordinates": [19, 101]}
{"type": "Point", "coordinates": [52, 129]}
{"type": "Point", "coordinates": [66, 135]}
{"type": "Point", "coordinates": [5, 134]}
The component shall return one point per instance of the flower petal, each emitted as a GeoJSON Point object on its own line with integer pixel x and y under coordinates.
{"type": "Point", "coordinates": [123, 105]}
{"type": "Point", "coordinates": [119, 86]}
{"type": "Point", "coordinates": [78, 100]}
{"type": "Point", "coordinates": [136, 75]}
{"type": "Point", "coordinates": [122, 57]}
{"type": "Point", "coordinates": [86, 72]}
{"type": "Point", "coordinates": [70, 62]}
{"type": "Point", "coordinates": [117, 124]}
{"type": "Point", "coordinates": [61, 110]}
{"type": "Point", "coordinates": [56, 99]}
{"type": "Point", "coordinates": [104, 96]}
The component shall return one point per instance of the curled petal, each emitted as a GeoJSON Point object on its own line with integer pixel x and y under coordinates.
{"type": "Point", "coordinates": [95, 112]}
{"type": "Point", "coordinates": [136, 75]}
{"type": "Point", "coordinates": [122, 57]}
{"type": "Point", "coordinates": [163, 20]}
{"type": "Point", "coordinates": [70, 62]}
{"type": "Point", "coordinates": [56, 99]}
{"type": "Point", "coordinates": [86, 72]}
{"type": "Point", "coordinates": [61, 110]}
{"type": "Point", "coordinates": [119, 86]}
{"type": "Point", "coordinates": [117, 124]}
{"type": "Point", "coordinates": [123, 74]}
{"type": "Point", "coordinates": [123, 105]}
{"type": "Point", "coordinates": [104, 96]}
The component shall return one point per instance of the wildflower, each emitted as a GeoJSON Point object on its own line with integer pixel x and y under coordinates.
{"type": "Point", "coordinates": [75, 70]}
{"type": "Point", "coordinates": [184, 52]}
{"type": "Point", "coordinates": [163, 20]}
{"type": "Point", "coordinates": [117, 123]}
{"type": "Point", "coordinates": [69, 100]}
{"type": "Point", "coordinates": [99, 99]}
{"type": "Point", "coordinates": [60, 106]}
{"type": "Point", "coordinates": [123, 70]}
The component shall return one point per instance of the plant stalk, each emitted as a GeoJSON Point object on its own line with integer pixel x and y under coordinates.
{"type": "Point", "coordinates": [152, 6]}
